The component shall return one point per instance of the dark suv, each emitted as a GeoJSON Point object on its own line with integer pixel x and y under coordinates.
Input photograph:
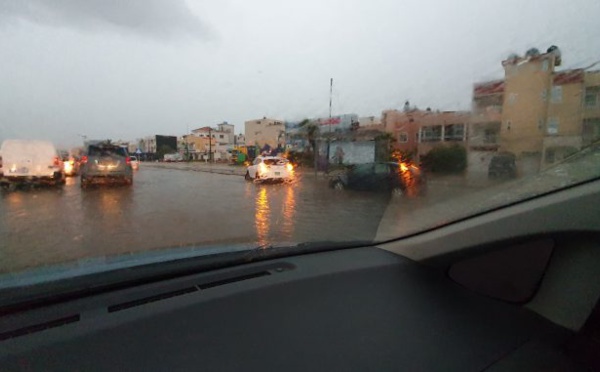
{"type": "Point", "coordinates": [106, 162]}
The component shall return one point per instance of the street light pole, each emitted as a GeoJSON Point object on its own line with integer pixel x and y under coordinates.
{"type": "Point", "coordinates": [209, 145]}
{"type": "Point", "coordinates": [329, 136]}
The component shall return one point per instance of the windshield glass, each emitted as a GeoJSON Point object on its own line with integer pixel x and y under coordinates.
{"type": "Point", "coordinates": [106, 151]}
{"type": "Point", "coordinates": [274, 161]}
{"type": "Point", "coordinates": [391, 118]}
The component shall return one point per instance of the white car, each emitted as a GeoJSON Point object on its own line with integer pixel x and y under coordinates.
{"type": "Point", "coordinates": [28, 161]}
{"type": "Point", "coordinates": [270, 168]}
{"type": "Point", "coordinates": [135, 163]}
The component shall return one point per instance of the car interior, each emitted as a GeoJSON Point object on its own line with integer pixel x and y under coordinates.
{"type": "Point", "coordinates": [515, 288]}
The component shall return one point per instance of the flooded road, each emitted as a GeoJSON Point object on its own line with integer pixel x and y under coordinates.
{"type": "Point", "coordinates": [173, 208]}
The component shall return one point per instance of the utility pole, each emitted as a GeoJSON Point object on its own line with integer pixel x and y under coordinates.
{"type": "Point", "coordinates": [329, 136]}
{"type": "Point", "coordinates": [209, 144]}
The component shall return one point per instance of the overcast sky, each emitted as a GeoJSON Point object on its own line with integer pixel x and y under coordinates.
{"type": "Point", "coordinates": [124, 69]}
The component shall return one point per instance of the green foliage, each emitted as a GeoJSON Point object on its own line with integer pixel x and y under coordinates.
{"type": "Point", "coordinates": [445, 159]}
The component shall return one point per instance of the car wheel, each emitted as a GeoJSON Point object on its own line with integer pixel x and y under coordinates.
{"type": "Point", "coordinates": [338, 185]}
{"type": "Point", "coordinates": [247, 176]}
{"type": "Point", "coordinates": [397, 192]}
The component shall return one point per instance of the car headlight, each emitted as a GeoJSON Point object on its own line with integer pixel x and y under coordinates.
{"type": "Point", "coordinates": [289, 167]}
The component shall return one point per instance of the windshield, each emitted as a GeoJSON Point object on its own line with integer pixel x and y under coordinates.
{"type": "Point", "coordinates": [391, 117]}
{"type": "Point", "coordinates": [106, 151]}
{"type": "Point", "coordinates": [275, 161]}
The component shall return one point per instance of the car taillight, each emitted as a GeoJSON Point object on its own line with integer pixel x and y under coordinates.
{"type": "Point", "coordinates": [84, 159]}
{"type": "Point", "coordinates": [128, 160]}
{"type": "Point", "coordinates": [56, 161]}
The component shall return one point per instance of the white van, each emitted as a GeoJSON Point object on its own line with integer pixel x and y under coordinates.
{"type": "Point", "coordinates": [30, 161]}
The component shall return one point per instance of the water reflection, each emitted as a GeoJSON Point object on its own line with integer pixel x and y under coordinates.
{"type": "Point", "coordinates": [288, 212]}
{"type": "Point", "coordinates": [261, 217]}
{"type": "Point", "coordinates": [275, 210]}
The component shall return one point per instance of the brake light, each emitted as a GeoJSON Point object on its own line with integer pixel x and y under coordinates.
{"type": "Point", "coordinates": [84, 159]}
{"type": "Point", "coordinates": [128, 160]}
{"type": "Point", "coordinates": [56, 161]}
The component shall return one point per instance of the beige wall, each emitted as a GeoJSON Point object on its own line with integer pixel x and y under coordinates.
{"type": "Point", "coordinates": [592, 80]}
{"type": "Point", "coordinates": [524, 108]}
{"type": "Point", "coordinates": [264, 131]}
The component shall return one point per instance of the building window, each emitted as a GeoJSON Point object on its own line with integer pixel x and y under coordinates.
{"type": "Point", "coordinates": [556, 94]}
{"type": "Point", "coordinates": [432, 133]}
{"type": "Point", "coordinates": [591, 98]}
{"type": "Point", "coordinates": [490, 136]}
{"type": "Point", "coordinates": [402, 137]}
{"type": "Point", "coordinates": [221, 136]}
{"type": "Point", "coordinates": [552, 127]}
{"type": "Point", "coordinates": [508, 124]}
{"type": "Point", "coordinates": [454, 132]}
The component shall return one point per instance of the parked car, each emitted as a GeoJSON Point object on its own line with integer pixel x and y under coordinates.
{"type": "Point", "coordinates": [30, 162]}
{"type": "Point", "coordinates": [270, 168]}
{"type": "Point", "coordinates": [503, 165]}
{"type": "Point", "coordinates": [135, 163]}
{"type": "Point", "coordinates": [106, 162]}
{"type": "Point", "coordinates": [172, 158]}
{"type": "Point", "coordinates": [397, 178]}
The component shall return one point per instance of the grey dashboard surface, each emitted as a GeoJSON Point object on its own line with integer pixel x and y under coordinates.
{"type": "Point", "coordinates": [356, 309]}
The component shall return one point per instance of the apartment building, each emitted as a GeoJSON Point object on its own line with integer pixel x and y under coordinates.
{"type": "Point", "coordinates": [591, 108]}
{"type": "Point", "coordinates": [265, 131]}
{"type": "Point", "coordinates": [545, 115]}
{"type": "Point", "coordinates": [419, 131]}
{"type": "Point", "coordinates": [483, 139]}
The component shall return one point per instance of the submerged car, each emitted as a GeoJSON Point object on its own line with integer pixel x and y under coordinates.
{"type": "Point", "coordinates": [106, 162]}
{"type": "Point", "coordinates": [30, 162]}
{"type": "Point", "coordinates": [397, 178]}
{"type": "Point", "coordinates": [270, 168]}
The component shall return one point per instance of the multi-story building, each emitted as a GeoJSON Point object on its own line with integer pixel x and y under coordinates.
{"type": "Point", "coordinates": [483, 138]}
{"type": "Point", "coordinates": [197, 147]}
{"type": "Point", "coordinates": [369, 121]}
{"type": "Point", "coordinates": [419, 131]}
{"type": "Point", "coordinates": [537, 113]}
{"type": "Point", "coordinates": [591, 108]}
{"type": "Point", "coordinates": [265, 131]}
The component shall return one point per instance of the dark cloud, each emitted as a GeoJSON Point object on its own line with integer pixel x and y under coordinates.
{"type": "Point", "coordinates": [155, 18]}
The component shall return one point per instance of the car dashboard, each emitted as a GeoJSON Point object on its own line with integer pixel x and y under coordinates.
{"type": "Point", "coordinates": [363, 308]}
